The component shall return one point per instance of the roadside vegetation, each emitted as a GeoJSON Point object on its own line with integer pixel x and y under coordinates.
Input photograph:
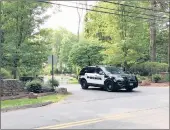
{"type": "Point", "coordinates": [26, 101]}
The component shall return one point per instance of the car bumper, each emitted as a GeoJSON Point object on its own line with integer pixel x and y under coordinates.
{"type": "Point", "coordinates": [126, 84]}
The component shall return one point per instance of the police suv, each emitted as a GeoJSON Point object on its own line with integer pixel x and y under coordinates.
{"type": "Point", "coordinates": [110, 78]}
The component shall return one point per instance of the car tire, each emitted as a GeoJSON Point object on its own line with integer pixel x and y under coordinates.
{"type": "Point", "coordinates": [109, 86]}
{"type": "Point", "coordinates": [129, 89]}
{"type": "Point", "coordinates": [84, 84]}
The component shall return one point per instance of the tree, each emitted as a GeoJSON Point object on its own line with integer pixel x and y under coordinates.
{"type": "Point", "coordinates": [162, 46]}
{"type": "Point", "coordinates": [63, 43]}
{"type": "Point", "coordinates": [86, 53]}
{"type": "Point", "coordinates": [20, 19]}
{"type": "Point", "coordinates": [155, 5]}
{"type": "Point", "coordinates": [125, 38]}
{"type": "Point", "coordinates": [35, 53]}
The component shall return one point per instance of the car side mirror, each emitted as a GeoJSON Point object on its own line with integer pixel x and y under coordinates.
{"type": "Point", "coordinates": [101, 73]}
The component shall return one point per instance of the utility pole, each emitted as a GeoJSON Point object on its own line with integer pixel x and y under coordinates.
{"type": "Point", "coordinates": [52, 71]}
{"type": "Point", "coordinates": [0, 36]}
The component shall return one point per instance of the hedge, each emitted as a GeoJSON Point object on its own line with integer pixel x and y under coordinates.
{"type": "Point", "coordinates": [149, 68]}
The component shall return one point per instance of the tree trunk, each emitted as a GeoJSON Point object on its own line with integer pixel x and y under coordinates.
{"type": "Point", "coordinates": [169, 42]}
{"type": "Point", "coordinates": [153, 34]}
{"type": "Point", "coordinates": [16, 52]}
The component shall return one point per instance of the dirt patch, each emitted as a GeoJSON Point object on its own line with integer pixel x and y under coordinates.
{"type": "Point", "coordinates": [166, 84]}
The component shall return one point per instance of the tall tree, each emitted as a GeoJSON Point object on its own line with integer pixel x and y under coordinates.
{"type": "Point", "coordinates": [125, 38]}
{"type": "Point", "coordinates": [153, 33]}
{"type": "Point", "coordinates": [35, 52]}
{"type": "Point", "coordinates": [86, 53]}
{"type": "Point", "coordinates": [20, 18]}
{"type": "Point", "coordinates": [160, 6]}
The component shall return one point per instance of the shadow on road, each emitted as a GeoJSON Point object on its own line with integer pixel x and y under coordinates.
{"type": "Point", "coordinates": [119, 91]}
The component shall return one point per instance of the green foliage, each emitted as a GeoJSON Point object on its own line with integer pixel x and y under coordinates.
{"type": "Point", "coordinates": [34, 86]}
{"type": "Point", "coordinates": [156, 78]}
{"type": "Point", "coordinates": [55, 82]}
{"type": "Point", "coordinates": [86, 53]}
{"type": "Point", "coordinates": [128, 41]}
{"type": "Point", "coordinates": [149, 68]}
{"type": "Point", "coordinates": [165, 77]}
{"type": "Point", "coordinates": [27, 101]}
{"type": "Point", "coordinates": [129, 37]}
{"type": "Point", "coordinates": [46, 70]}
{"type": "Point", "coordinates": [142, 78]}
{"type": "Point", "coordinates": [20, 18]}
{"type": "Point", "coordinates": [162, 46]}
{"type": "Point", "coordinates": [5, 74]}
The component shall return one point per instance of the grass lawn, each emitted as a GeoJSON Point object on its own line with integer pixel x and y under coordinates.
{"type": "Point", "coordinates": [73, 81]}
{"type": "Point", "coordinates": [26, 101]}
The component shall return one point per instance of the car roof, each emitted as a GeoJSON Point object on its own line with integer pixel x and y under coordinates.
{"type": "Point", "coordinates": [101, 66]}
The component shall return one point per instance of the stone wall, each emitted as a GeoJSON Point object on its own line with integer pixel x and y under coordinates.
{"type": "Point", "coordinates": [10, 87]}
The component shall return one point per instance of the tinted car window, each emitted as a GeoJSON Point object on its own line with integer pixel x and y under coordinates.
{"type": "Point", "coordinates": [98, 70]}
{"type": "Point", "coordinates": [112, 70]}
{"type": "Point", "coordinates": [83, 71]}
{"type": "Point", "coordinates": [91, 70]}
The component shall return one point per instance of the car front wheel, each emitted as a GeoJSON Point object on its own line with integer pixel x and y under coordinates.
{"type": "Point", "coordinates": [84, 84]}
{"type": "Point", "coordinates": [129, 89]}
{"type": "Point", "coordinates": [109, 86]}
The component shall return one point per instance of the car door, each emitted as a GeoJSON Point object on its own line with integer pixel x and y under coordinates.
{"type": "Point", "coordinates": [99, 76]}
{"type": "Point", "coordinates": [90, 75]}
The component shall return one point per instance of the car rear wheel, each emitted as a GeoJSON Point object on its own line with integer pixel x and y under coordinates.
{"type": "Point", "coordinates": [84, 84]}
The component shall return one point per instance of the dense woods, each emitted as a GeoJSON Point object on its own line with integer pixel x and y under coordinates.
{"type": "Point", "coordinates": [111, 39]}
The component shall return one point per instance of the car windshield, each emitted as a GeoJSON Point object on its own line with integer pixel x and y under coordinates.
{"type": "Point", "coordinates": [112, 70]}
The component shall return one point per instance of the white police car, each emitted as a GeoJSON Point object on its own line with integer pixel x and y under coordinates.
{"type": "Point", "coordinates": [110, 78]}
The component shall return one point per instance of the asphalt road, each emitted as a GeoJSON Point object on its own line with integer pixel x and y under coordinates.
{"type": "Point", "coordinates": [145, 108]}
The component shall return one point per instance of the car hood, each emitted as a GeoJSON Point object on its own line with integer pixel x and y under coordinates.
{"type": "Point", "coordinates": [120, 76]}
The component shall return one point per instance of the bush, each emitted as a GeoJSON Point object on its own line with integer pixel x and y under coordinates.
{"type": "Point", "coordinates": [55, 82]}
{"type": "Point", "coordinates": [5, 74]}
{"type": "Point", "coordinates": [165, 77]}
{"type": "Point", "coordinates": [140, 78]}
{"type": "Point", "coordinates": [146, 83]}
{"type": "Point", "coordinates": [46, 70]}
{"type": "Point", "coordinates": [47, 88]}
{"type": "Point", "coordinates": [156, 78]}
{"type": "Point", "coordinates": [34, 86]}
{"type": "Point", "coordinates": [149, 68]}
{"type": "Point", "coordinates": [26, 78]}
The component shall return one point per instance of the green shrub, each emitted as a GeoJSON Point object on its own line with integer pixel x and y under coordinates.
{"type": "Point", "coordinates": [47, 88]}
{"type": "Point", "coordinates": [34, 86]}
{"type": "Point", "coordinates": [165, 78]}
{"type": "Point", "coordinates": [156, 78]}
{"type": "Point", "coordinates": [149, 68]}
{"type": "Point", "coordinates": [142, 78]}
{"type": "Point", "coordinates": [46, 70]}
{"type": "Point", "coordinates": [55, 82]}
{"type": "Point", "coordinates": [5, 74]}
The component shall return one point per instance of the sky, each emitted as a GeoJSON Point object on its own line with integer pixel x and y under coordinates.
{"type": "Point", "coordinates": [67, 17]}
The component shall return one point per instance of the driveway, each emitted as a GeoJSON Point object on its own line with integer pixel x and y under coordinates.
{"type": "Point", "coordinates": [97, 109]}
